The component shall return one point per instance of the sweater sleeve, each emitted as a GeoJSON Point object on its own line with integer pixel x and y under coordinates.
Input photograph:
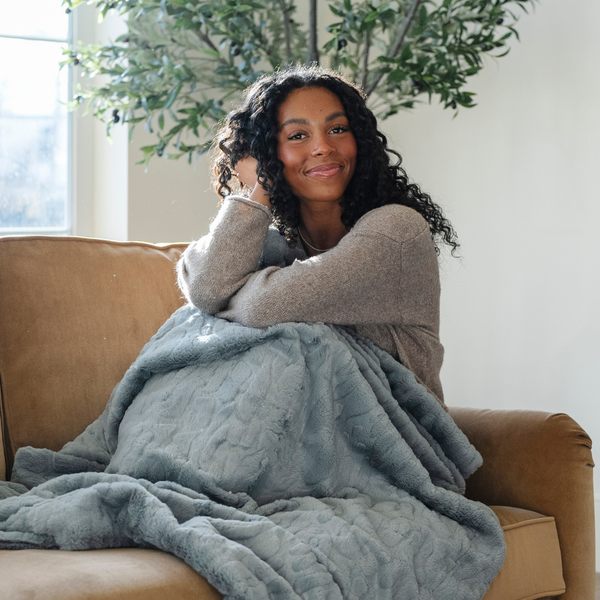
{"type": "Point", "coordinates": [359, 282]}
{"type": "Point", "coordinates": [343, 286]}
{"type": "Point", "coordinates": [215, 267]}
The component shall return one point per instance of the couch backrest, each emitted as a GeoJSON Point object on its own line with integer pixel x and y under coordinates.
{"type": "Point", "coordinates": [74, 314]}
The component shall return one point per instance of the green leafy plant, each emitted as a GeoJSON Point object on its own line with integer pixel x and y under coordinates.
{"type": "Point", "coordinates": [181, 62]}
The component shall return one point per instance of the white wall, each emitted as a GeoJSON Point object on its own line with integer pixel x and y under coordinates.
{"type": "Point", "coordinates": [169, 200]}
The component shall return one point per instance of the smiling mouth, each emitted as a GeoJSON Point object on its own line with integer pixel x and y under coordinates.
{"type": "Point", "coordinates": [324, 171]}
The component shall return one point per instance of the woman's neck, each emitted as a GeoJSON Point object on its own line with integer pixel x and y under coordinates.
{"type": "Point", "coordinates": [321, 226]}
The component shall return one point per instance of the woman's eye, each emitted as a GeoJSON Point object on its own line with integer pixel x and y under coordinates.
{"type": "Point", "coordinates": [296, 136]}
{"type": "Point", "coordinates": [339, 129]}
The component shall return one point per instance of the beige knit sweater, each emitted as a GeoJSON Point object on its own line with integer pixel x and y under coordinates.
{"type": "Point", "coordinates": [382, 279]}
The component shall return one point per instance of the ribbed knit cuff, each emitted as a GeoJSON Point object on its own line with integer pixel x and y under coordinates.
{"type": "Point", "coordinates": [251, 203]}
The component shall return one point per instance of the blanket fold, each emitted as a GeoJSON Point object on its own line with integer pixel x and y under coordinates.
{"type": "Point", "coordinates": [299, 461]}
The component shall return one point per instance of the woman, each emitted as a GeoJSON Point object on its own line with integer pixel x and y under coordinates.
{"type": "Point", "coordinates": [365, 256]}
{"type": "Point", "coordinates": [300, 461]}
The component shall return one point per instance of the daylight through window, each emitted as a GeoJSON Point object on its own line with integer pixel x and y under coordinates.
{"type": "Point", "coordinates": [34, 121]}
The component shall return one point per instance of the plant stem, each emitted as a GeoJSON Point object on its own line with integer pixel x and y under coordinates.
{"type": "Point", "coordinates": [313, 50]}
{"type": "Point", "coordinates": [395, 47]}
{"type": "Point", "coordinates": [206, 39]}
{"type": "Point", "coordinates": [365, 66]}
{"type": "Point", "coordinates": [286, 27]}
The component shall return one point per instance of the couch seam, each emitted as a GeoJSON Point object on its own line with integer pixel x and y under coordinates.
{"type": "Point", "coordinates": [5, 436]}
{"type": "Point", "coordinates": [539, 520]}
{"type": "Point", "coordinates": [545, 594]}
{"type": "Point", "coordinates": [74, 238]}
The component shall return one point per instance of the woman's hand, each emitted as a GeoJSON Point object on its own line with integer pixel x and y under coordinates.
{"type": "Point", "coordinates": [246, 173]}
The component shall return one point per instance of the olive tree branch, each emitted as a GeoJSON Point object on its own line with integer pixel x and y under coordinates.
{"type": "Point", "coordinates": [313, 50]}
{"type": "Point", "coordinates": [286, 27]}
{"type": "Point", "coordinates": [206, 39]}
{"type": "Point", "coordinates": [364, 73]}
{"type": "Point", "coordinates": [395, 47]}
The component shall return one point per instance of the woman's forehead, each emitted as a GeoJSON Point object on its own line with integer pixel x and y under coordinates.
{"type": "Point", "coordinates": [310, 104]}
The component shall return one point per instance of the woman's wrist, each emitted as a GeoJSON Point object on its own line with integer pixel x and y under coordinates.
{"type": "Point", "coordinates": [246, 174]}
{"type": "Point", "coordinates": [260, 195]}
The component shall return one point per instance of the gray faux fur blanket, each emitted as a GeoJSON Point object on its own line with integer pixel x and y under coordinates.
{"type": "Point", "coordinates": [294, 462]}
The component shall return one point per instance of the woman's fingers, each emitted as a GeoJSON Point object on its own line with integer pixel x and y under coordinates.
{"type": "Point", "coordinates": [246, 171]}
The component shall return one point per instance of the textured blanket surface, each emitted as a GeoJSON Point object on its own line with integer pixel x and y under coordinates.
{"type": "Point", "coordinates": [298, 461]}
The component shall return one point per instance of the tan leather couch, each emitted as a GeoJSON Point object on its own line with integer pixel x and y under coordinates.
{"type": "Point", "coordinates": [75, 312]}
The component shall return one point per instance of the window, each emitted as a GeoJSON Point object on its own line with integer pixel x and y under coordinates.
{"type": "Point", "coordinates": [35, 125]}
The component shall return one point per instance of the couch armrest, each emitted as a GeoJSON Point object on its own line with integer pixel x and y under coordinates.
{"type": "Point", "coordinates": [542, 462]}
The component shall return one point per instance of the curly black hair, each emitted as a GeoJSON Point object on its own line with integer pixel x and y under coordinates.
{"type": "Point", "coordinates": [378, 179]}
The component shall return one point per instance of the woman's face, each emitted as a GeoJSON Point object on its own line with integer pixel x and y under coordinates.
{"type": "Point", "coordinates": [316, 145]}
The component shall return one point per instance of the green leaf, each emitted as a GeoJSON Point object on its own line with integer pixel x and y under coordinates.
{"type": "Point", "coordinates": [396, 76]}
{"type": "Point", "coordinates": [422, 16]}
{"type": "Point", "coordinates": [406, 54]}
{"type": "Point", "coordinates": [173, 96]}
{"type": "Point", "coordinates": [210, 52]}
{"type": "Point", "coordinates": [148, 149]}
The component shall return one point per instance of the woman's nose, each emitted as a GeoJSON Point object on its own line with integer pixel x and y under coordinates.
{"type": "Point", "coordinates": [322, 145]}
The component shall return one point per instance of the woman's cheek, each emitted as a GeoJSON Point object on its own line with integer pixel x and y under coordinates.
{"type": "Point", "coordinates": [290, 166]}
{"type": "Point", "coordinates": [286, 155]}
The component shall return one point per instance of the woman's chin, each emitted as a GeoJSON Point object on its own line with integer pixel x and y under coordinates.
{"type": "Point", "coordinates": [333, 199]}
{"type": "Point", "coordinates": [321, 193]}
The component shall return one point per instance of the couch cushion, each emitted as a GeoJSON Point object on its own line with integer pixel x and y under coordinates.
{"type": "Point", "coordinates": [74, 314]}
{"type": "Point", "coordinates": [533, 566]}
{"type": "Point", "coordinates": [116, 574]}
{"type": "Point", "coordinates": [532, 569]}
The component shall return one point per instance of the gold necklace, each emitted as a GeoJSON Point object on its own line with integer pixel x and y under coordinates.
{"type": "Point", "coordinates": [310, 245]}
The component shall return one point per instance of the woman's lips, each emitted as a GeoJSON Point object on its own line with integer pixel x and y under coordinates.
{"type": "Point", "coordinates": [329, 170]}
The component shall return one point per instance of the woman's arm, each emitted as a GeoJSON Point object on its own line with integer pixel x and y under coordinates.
{"type": "Point", "coordinates": [383, 271]}
{"type": "Point", "coordinates": [214, 268]}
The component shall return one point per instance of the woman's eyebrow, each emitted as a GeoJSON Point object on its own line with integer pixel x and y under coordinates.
{"type": "Point", "coordinates": [297, 121]}
{"type": "Point", "coordinates": [331, 117]}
